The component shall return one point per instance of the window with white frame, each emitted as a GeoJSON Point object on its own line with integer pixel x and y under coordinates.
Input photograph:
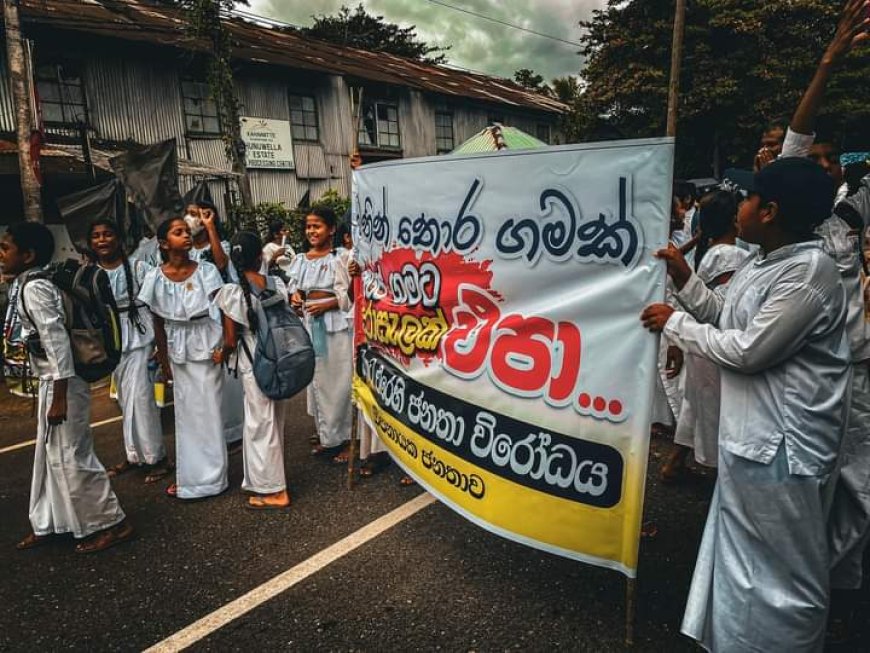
{"type": "Point", "coordinates": [61, 93]}
{"type": "Point", "coordinates": [379, 126]}
{"type": "Point", "coordinates": [303, 118]}
{"type": "Point", "coordinates": [443, 132]}
{"type": "Point", "coordinates": [200, 111]}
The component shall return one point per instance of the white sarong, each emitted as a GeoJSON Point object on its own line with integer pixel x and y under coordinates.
{"type": "Point", "coordinates": [201, 451]}
{"type": "Point", "coordinates": [330, 391]}
{"type": "Point", "coordinates": [263, 449]}
{"type": "Point", "coordinates": [70, 491]}
{"type": "Point", "coordinates": [233, 408]}
{"type": "Point", "coordinates": [761, 578]}
{"type": "Point", "coordinates": [143, 433]}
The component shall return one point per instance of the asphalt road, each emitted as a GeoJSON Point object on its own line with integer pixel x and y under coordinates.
{"type": "Point", "coordinates": [432, 582]}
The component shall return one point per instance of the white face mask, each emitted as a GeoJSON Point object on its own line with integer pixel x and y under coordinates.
{"type": "Point", "coordinates": [194, 223]}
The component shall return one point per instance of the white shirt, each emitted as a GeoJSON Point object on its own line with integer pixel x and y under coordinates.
{"type": "Point", "coordinates": [327, 273]}
{"type": "Point", "coordinates": [778, 335]}
{"type": "Point", "coordinates": [193, 329]}
{"type": "Point", "coordinates": [131, 337]}
{"type": "Point", "coordinates": [44, 304]}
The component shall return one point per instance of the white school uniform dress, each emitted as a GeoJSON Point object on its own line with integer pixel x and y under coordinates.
{"type": "Point", "coordinates": [698, 426]}
{"type": "Point", "coordinates": [761, 581]}
{"type": "Point", "coordinates": [148, 251]}
{"type": "Point", "coordinates": [849, 524]}
{"type": "Point", "coordinates": [193, 332]}
{"type": "Point", "coordinates": [143, 432]}
{"type": "Point", "coordinates": [263, 441]}
{"type": "Point", "coordinates": [329, 394]}
{"type": "Point", "coordinates": [232, 407]}
{"type": "Point", "coordinates": [70, 491]}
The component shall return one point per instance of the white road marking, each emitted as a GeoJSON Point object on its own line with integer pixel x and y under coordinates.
{"type": "Point", "coordinates": [285, 580]}
{"type": "Point", "coordinates": [30, 443]}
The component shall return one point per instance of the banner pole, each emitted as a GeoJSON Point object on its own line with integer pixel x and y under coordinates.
{"type": "Point", "coordinates": [676, 61]}
{"type": "Point", "coordinates": [351, 450]}
{"type": "Point", "coordinates": [630, 609]}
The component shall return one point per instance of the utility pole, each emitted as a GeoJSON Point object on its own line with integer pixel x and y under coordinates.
{"type": "Point", "coordinates": [23, 117]}
{"type": "Point", "coordinates": [676, 61]}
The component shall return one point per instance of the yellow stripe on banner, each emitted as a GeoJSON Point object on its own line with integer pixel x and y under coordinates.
{"type": "Point", "coordinates": [603, 536]}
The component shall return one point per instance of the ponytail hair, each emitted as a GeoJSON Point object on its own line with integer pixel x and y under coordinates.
{"type": "Point", "coordinates": [246, 252]}
{"type": "Point", "coordinates": [718, 212]}
{"type": "Point", "coordinates": [132, 308]}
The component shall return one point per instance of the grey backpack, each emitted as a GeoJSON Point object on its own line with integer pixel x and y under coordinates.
{"type": "Point", "coordinates": [283, 360]}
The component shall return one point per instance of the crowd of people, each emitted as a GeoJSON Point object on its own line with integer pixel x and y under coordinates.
{"type": "Point", "coordinates": [763, 373]}
{"type": "Point", "coordinates": [764, 376]}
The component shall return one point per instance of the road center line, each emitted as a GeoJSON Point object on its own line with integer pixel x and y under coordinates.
{"type": "Point", "coordinates": [30, 443]}
{"type": "Point", "coordinates": [287, 579]}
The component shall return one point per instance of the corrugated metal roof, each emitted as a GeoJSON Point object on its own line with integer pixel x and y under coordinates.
{"type": "Point", "coordinates": [143, 21]}
{"type": "Point", "coordinates": [498, 137]}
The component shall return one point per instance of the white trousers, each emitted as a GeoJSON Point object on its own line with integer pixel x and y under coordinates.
{"type": "Point", "coordinates": [200, 448]}
{"type": "Point", "coordinates": [70, 491]}
{"type": "Point", "coordinates": [369, 442]}
{"type": "Point", "coordinates": [143, 433]}
{"type": "Point", "coordinates": [263, 448]}
{"type": "Point", "coordinates": [329, 392]}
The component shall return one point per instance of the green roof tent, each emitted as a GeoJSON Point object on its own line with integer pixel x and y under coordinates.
{"type": "Point", "coordinates": [498, 137]}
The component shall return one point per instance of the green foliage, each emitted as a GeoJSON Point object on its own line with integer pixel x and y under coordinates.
{"type": "Point", "coordinates": [359, 29]}
{"type": "Point", "coordinates": [529, 79]}
{"type": "Point", "coordinates": [204, 23]}
{"type": "Point", "coordinates": [258, 217]}
{"type": "Point", "coordinates": [745, 63]}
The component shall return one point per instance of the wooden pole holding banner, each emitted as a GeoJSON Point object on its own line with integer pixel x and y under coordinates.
{"type": "Point", "coordinates": [676, 62]}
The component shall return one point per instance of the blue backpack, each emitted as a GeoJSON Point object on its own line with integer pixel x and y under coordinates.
{"type": "Point", "coordinates": [283, 360]}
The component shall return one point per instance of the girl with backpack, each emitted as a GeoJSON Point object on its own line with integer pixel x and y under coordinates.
{"type": "Point", "coordinates": [143, 433]}
{"type": "Point", "coordinates": [319, 282]}
{"type": "Point", "coordinates": [263, 439]}
{"type": "Point", "coordinates": [188, 336]}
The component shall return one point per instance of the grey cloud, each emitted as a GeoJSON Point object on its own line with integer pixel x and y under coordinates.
{"type": "Point", "coordinates": [475, 43]}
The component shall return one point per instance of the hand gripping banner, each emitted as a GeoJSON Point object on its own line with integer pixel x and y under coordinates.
{"type": "Point", "coordinates": [500, 354]}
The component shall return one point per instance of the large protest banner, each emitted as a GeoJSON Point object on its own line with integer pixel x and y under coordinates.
{"type": "Point", "coordinates": [501, 357]}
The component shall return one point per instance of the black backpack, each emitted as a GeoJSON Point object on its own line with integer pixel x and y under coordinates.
{"type": "Point", "coordinates": [283, 361]}
{"type": "Point", "coordinates": [90, 316]}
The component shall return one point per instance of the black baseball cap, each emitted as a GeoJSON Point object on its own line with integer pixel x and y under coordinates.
{"type": "Point", "coordinates": [800, 187]}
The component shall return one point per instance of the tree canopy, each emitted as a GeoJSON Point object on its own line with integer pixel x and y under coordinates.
{"type": "Point", "coordinates": [745, 63]}
{"type": "Point", "coordinates": [359, 29]}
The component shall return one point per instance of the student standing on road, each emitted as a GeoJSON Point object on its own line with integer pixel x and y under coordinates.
{"type": "Point", "coordinates": [70, 491]}
{"type": "Point", "coordinates": [263, 449]}
{"type": "Point", "coordinates": [778, 336]}
{"type": "Point", "coordinates": [319, 283]}
{"type": "Point", "coordinates": [143, 433]}
{"type": "Point", "coordinates": [204, 222]}
{"type": "Point", "coordinates": [188, 337]}
{"type": "Point", "coordinates": [716, 260]}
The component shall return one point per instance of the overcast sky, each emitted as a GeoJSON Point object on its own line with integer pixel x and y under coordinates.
{"type": "Point", "coordinates": [476, 43]}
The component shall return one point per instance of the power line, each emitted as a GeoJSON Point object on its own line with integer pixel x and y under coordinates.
{"type": "Point", "coordinates": [505, 23]}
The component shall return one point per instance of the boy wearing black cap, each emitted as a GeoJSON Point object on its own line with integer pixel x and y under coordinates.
{"type": "Point", "coordinates": [778, 335]}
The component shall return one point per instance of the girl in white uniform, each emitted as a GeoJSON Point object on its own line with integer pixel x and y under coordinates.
{"type": "Point", "coordinates": [143, 433]}
{"type": "Point", "coordinates": [319, 282]}
{"type": "Point", "coordinates": [716, 259]}
{"type": "Point", "coordinates": [188, 335]}
{"type": "Point", "coordinates": [263, 439]}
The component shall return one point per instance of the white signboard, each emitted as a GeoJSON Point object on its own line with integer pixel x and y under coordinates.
{"type": "Point", "coordinates": [268, 143]}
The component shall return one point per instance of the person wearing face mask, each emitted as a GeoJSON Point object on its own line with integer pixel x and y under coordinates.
{"type": "Point", "coordinates": [202, 219]}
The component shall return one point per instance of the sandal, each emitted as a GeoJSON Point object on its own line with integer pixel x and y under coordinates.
{"type": "Point", "coordinates": [158, 471]}
{"type": "Point", "coordinates": [101, 541]}
{"type": "Point", "coordinates": [33, 541]}
{"type": "Point", "coordinates": [172, 491]}
{"type": "Point", "coordinates": [374, 464]}
{"type": "Point", "coordinates": [343, 457]}
{"type": "Point", "coordinates": [407, 481]}
{"type": "Point", "coordinates": [120, 468]}
{"type": "Point", "coordinates": [675, 476]}
{"type": "Point", "coordinates": [322, 451]}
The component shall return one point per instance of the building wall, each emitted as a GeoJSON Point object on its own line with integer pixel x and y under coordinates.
{"type": "Point", "coordinates": [134, 97]}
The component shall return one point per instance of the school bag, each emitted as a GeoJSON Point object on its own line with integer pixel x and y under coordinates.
{"type": "Point", "coordinates": [283, 360]}
{"type": "Point", "coordinates": [90, 316]}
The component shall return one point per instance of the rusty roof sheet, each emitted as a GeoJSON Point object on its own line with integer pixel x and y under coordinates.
{"type": "Point", "coordinates": [145, 21]}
